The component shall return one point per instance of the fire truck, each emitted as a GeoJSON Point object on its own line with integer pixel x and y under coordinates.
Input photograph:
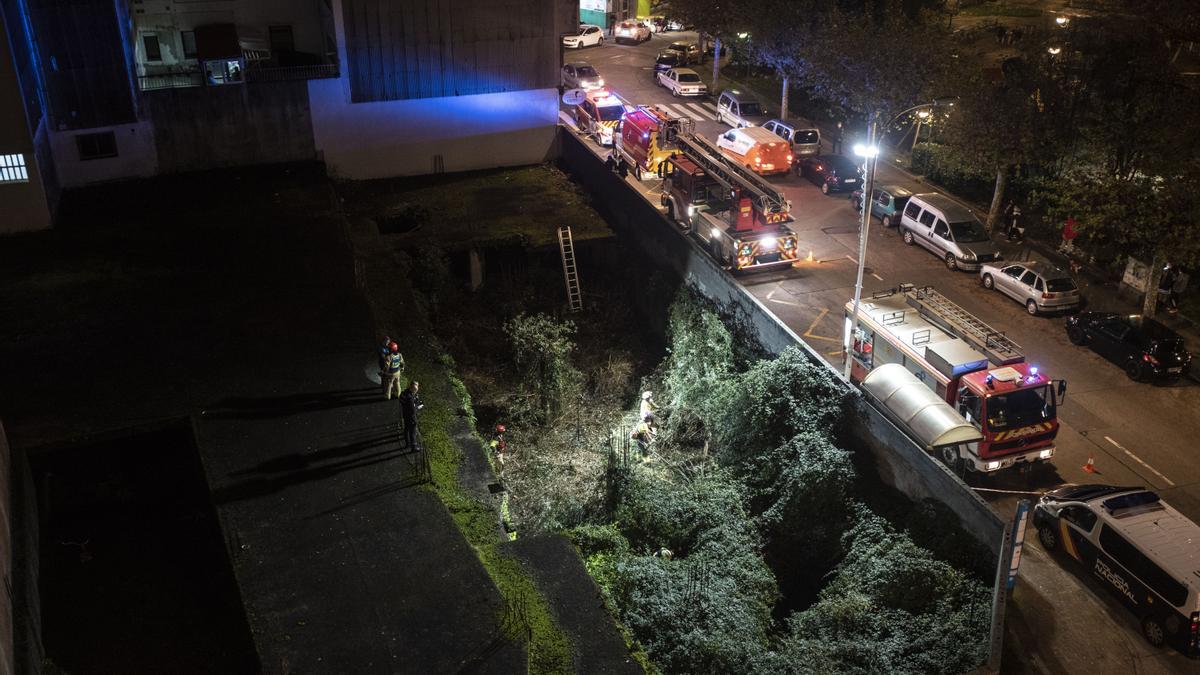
{"type": "Point", "coordinates": [980, 372]}
{"type": "Point", "coordinates": [599, 114]}
{"type": "Point", "coordinates": [739, 217]}
{"type": "Point", "coordinates": [647, 137]}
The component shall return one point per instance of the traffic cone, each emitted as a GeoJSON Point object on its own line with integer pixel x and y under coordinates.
{"type": "Point", "coordinates": [1090, 467]}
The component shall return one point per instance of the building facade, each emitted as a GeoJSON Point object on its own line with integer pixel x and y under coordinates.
{"type": "Point", "coordinates": [28, 186]}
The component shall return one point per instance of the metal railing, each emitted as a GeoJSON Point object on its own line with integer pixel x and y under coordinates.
{"type": "Point", "coordinates": [195, 78]}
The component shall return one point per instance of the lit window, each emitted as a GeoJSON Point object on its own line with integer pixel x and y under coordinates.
{"type": "Point", "coordinates": [12, 169]}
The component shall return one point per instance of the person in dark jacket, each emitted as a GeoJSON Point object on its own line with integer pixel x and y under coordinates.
{"type": "Point", "coordinates": [410, 403]}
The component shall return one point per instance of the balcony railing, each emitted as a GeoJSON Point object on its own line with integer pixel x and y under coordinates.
{"type": "Point", "coordinates": [253, 73]}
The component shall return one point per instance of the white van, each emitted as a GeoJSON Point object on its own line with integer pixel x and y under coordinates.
{"type": "Point", "coordinates": [739, 109]}
{"type": "Point", "coordinates": [949, 230]}
{"type": "Point", "coordinates": [805, 141]}
{"type": "Point", "coordinates": [757, 149]}
{"type": "Point", "coordinates": [1137, 546]}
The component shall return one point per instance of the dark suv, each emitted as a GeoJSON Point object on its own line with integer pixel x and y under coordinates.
{"type": "Point", "coordinates": [831, 173]}
{"type": "Point", "coordinates": [1145, 348]}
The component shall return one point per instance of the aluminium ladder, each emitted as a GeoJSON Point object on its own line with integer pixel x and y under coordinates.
{"type": "Point", "coordinates": [710, 158]}
{"type": "Point", "coordinates": [997, 346]}
{"type": "Point", "coordinates": [566, 246]}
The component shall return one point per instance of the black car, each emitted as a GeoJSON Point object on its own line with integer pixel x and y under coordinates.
{"type": "Point", "coordinates": [666, 61]}
{"type": "Point", "coordinates": [1145, 348]}
{"type": "Point", "coordinates": [832, 173]}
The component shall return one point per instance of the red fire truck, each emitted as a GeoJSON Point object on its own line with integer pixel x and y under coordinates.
{"type": "Point", "coordinates": [739, 217]}
{"type": "Point", "coordinates": [647, 137]}
{"type": "Point", "coordinates": [979, 371]}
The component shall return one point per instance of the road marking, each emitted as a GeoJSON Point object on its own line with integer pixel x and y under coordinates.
{"type": "Point", "coordinates": [782, 302]}
{"type": "Point", "coordinates": [837, 353]}
{"type": "Point", "coordinates": [809, 333]}
{"type": "Point", "coordinates": [877, 276]}
{"type": "Point", "coordinates": [851, 259]}
{"type": "Point", "coordinates": [707, 115]}
{"type": "Point", "coordinates": [1139, 461]}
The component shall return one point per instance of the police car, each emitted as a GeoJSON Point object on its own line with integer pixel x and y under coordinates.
{"type": "Point", "coordinates": [1141, 549]}
{"type": "Point", "coordinates": [599, 115]}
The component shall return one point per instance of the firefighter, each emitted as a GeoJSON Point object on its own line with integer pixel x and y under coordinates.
{"type": "Point", "coordinates": [647, 408]}
{"type": "Point", "coordinates": [410, 403]}
{"type": "Point", "coordinates": [393, 367]}
{"type": "Point", "coordinates": [643, 434]}
{"type": "Point", "coordinates": [384, 350]}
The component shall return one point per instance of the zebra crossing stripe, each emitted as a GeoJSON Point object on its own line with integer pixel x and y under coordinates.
{"type": "Point", "coordinates": [707, 115]}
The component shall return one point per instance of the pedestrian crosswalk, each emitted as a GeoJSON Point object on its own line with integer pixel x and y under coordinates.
{"type": "Point", "coordinates": [697, 110]}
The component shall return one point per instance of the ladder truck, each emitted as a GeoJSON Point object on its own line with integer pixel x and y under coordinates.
{"type": "Point", "coordinates": [978, 370]}
{"type": "Point", "coordinates": [737, 215]}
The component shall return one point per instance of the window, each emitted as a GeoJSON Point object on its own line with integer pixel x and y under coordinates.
{"type": "Point", "coordinates": [188, 39]}
{"type": "Point", "coordinates": [153, 51]}
{"type": "Point", "coordinates": [281, 39]}
{"type": "Point", "coordinates": [1084, 519]}
{"type": "Point", "coordinates": [1014, 271]}
{"type": "Point", "coordinates": [970, 405]}
{"type": "Point", "coordinates": [12, 169]}
{"type": "Point", "coordinates": [911, 210]}
{"type": "Point", "coordinates": [96, 146]}
{"type": "Point", "coordinates": [884, 199]}
{"type": "Point", "coordinates": [1028, 278]}
{"type": "Point", "coordinates": [1142, 567]}
{"type": "Point", "coordinates": [941, 229]}
{"type": "Point", "coordinates": [1039, 285]}
{"type": "Point", "coordinates": [927, 219]}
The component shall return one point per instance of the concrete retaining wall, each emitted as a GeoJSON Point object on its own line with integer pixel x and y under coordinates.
{"type": "Point", "coordinates": [901, 463]}
{"type": "Point", "coordinates": [20, 612]}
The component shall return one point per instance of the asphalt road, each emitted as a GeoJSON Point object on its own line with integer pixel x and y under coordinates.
{"type": "Point", "coordinates": [1138, 433]}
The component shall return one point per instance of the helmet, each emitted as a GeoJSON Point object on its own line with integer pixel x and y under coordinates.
{"type": "Point", "coordinates": [395, 348]}
{"type": "Point", "coordinates": [499, 428]}
{"type": "Point", "coordinates": [646, 395]}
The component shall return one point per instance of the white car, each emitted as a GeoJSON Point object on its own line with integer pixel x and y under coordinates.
{"type": "Point", "coordinates": [588, 36]}
{"type": "Point", "coordinates": [682, 82]}
{"type": "Point", "coordinates": [631, 31]}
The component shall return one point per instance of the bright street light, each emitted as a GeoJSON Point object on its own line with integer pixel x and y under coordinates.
{"type": "Point", "coordinates": [924, 114]}
{"type": "Point", "coordinates": [1062, 21]}
{"type": "Point", "coordinates": [1054, 51]}
{"type": "Point", "coordinates": [866, 151]}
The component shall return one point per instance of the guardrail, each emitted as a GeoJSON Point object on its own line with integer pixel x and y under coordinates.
{"type": "Point", "coordinates": [195, 78]}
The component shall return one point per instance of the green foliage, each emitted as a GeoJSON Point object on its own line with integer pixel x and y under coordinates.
{"type": "Point", "coordinates": [701, 353]}
{"type": "Point", "coordinates": [953, 170]}
{"type": "Point", "coordinates": [542, 348]}
{"type": "Point", "coordinates": [775, 400]}
{"type": "Point", "coordinates": [891, 607]}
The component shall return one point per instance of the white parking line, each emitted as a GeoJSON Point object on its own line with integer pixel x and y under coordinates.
{"type": "Point", "coordinates": [682, 111]}
{"type": "Point", "coordinates": [877, 276]}
{"type": "Point", "coordinates": [1139, 461]}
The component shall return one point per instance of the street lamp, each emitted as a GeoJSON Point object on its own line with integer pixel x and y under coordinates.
{"type": "Point", "coordinates": [869, 151]}
{"type": "Point", "coordinates": [922, 115]}
{"type": "Point", "coordinates": [1054, 51]}
{"type": "Point", "coordinates": [1062, 21]}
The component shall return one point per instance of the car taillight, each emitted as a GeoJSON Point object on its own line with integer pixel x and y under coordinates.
{"type": "Point", "coordinates": [1049, 296]}
{"type": "Point", "coordinates": [758, 160]}
{"type": "Point", "coordinates": [1193, 646]}
{"type": "Point", "coordinates": [1150, 359]}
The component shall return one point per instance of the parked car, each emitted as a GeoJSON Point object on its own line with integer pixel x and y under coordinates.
{"type": "Point", "coordinates": [832, 173]}
{"type": "Point", "coordinates": [581, 75]}
{"type": "Point", "coordinates": [588, 36]}
{"type": "Point", "coordinates": [665, 61]}
{"type": "Point", "coordinates": [683, 82]}
{"type": "Point", "coordinates": [689, 52]}
{"type": "Point", "coordinates": [1145, 348]}
{"type": "Point", "coordinates": [631, 31]}
{"type": "Point", "coordinates": [947, 229]}
{"type": "Point", "coordinates": [804, 141]}
{"type": "Point", "coordinates": [1135, 545]}
{"type": "Point", "coordinates": [1040, 286]}
{"type": "Point", "coordinates": [660, 24]}
{"type": "Point", "coordinates": [739, 109]}
{"type": "Point", "coordinates": [887, 203]}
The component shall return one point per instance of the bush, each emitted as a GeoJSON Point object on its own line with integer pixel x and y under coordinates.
{"type": "Point", "coordinates": [542, 348]}
{"type": "Point", "coordinates": [701, 355]}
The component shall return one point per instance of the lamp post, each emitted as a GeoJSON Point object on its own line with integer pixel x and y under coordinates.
{"type": "Point", "coordinates": [870, 152]}
{"type": "Point", "coordinates": [922, 115]}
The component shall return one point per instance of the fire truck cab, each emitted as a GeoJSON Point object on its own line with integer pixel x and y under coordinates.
{"type": "Point", "coordinates": [978, 371]}
{"type": "Point", "coordinates": [740, 226]}
{"type": "Point", "coordinates": [599, 115]}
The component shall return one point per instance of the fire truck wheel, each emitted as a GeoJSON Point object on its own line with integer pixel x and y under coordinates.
{"type": "Point", "coordinates": [1076, 335]}
{"type": "Point", "coordinates": [988, 282]}
{"type": "Point", "coordinates": [1048, 537]}
{"type": "Point", "coordinates": [951, 262]}
{"type": "Point", "coordinates": [907, 236]}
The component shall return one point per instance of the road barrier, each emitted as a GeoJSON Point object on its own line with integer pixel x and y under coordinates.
{"type": "Point", "coordinates": [900, 462]}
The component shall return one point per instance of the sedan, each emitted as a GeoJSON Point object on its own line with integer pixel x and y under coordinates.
{"type": "Point", "coordinates": [666, 60]}
{"type": "Point", "coordinates": [683, 82]}
{"type": "Point", "coordinates": [631, 31]}
{"type": "Point", "coordinates": [1039, 286]}
{"type": "Point", "coordinates": [580, 75]}
{"type": "Point", "coordinates": [832, 173]}
{"type": "Point", "coordinates": [588, 36]}
{"type": "Point", "coordinates": [689, 52]}
{"type": "Point", "coordinates": [1145, 348]}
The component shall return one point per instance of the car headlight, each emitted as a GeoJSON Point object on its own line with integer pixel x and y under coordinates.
{"type": "Point", "coordinates": [991, 466]}
{"type": "Point", "coordinates": [1046, 454]}
{"type": "Point", "coordinates": [969, 255]}
{"type": "Point", "coordinates": [600, 82]}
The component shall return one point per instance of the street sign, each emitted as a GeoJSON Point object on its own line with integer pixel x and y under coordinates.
{"type": "Point", "coordinates": [574, 96]}
{"type": "Point", "coordinates": [1020, 520]}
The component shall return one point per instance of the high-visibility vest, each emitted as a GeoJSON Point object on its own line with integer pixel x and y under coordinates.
{"type": "Point", "coordinates": [395, 363]}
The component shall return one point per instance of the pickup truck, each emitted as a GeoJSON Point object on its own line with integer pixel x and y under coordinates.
{"type": "Point", "coordinates": [682, 82]}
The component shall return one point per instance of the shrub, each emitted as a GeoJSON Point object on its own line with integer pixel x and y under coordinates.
{"type": "Point", "coordinates": [542, 348]}
{"type": "Point", "coordinates": [701, 355]}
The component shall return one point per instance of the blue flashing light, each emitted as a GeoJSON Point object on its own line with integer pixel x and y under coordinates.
{"type": "Point", "coordinates": [1033, 371]}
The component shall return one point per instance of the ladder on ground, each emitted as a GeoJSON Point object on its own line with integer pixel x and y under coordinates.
{"type": "Point", "coordinates": [709, 157]}
{"type": "Point", "coordinates": [998, 347]}
{"type": "Point", "coordinates": [566, 245]}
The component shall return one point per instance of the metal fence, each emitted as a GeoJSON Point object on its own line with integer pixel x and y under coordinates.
{"type": "Point", "coordinates": [195, 78]}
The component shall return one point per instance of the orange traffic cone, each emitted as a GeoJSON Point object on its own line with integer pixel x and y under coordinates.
{"type": "Point", "coordinates": [1090, 467]}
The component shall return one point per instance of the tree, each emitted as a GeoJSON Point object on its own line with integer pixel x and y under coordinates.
{"type": "Point", "coordinates": [718, 18]}
{"type": "Point", "coordinates": [542, 348]}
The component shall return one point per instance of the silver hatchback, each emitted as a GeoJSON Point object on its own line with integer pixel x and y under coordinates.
{"type": "Point", "coordinates": [1040, 286]}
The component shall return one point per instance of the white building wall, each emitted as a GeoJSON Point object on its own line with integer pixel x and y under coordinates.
{"type": "Point", "coordinates": [136, 155]}
{"type": "Point", "coordinates": [389, 138]}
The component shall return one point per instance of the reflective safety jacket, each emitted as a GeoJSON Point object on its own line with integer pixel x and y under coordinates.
{"type": "Point", "coordinates": [395, 363]}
